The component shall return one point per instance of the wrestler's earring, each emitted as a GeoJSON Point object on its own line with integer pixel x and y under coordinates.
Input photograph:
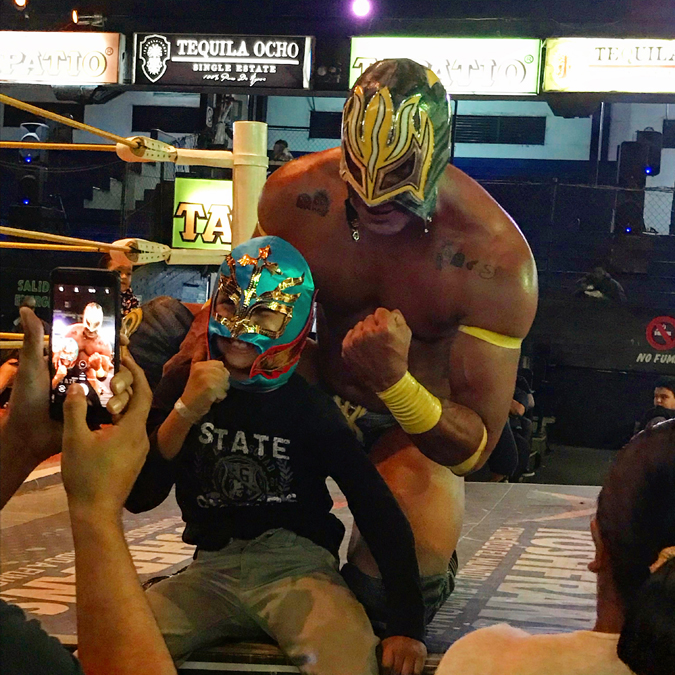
{"type": "Point", "coordinates": [427, 224]}
{"type": "Point", "coordinates": [352, 220]}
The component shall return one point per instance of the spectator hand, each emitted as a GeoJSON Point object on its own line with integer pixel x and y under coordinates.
{"type": "Point", "coordinates": [517, 409]}
{"type": "Point", "coordinates": [8, 373]}
{"type": "Point", "coordinates": [28, 425]}
{"type": "Point", "coordinates": [99, 467]}
{"type": "Point", "coordinates": [376, 349]}
{"type": "Point", "coordinates": [402, 656]}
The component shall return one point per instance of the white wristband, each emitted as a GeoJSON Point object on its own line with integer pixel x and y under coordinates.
{"type": "Point", "coordinates": [185, 412]}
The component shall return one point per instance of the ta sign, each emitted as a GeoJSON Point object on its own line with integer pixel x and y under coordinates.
{"type": "Point", "coordinates": [202, 214]}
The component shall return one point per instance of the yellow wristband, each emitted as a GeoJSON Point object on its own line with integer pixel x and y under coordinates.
{"type": "Point", "coordinates": [468, 464]}
{"type": "Point", "coordinates": [415, 408]}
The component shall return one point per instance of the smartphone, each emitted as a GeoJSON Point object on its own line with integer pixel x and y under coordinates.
{"type": "Point", "coordinates": [84, 345]}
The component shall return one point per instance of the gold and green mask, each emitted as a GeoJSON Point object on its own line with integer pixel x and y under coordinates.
{"type": "Point", "coordinates": [396, 136]}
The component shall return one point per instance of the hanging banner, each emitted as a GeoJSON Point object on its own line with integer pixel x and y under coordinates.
{"type": "Point", "coordinates": [221, 61]}
{"type": "Point", "coordinates": [607, 65]}
{"type": "Point", "coordinates": [60, 58]}
{"type": "Point", "coordinates": [202, 214]}
{"type": "Point", "coordinates": [483, 66]}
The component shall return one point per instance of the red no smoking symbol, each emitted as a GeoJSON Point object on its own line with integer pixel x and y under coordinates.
{"type": "Point", "coordinates": [661, 333]}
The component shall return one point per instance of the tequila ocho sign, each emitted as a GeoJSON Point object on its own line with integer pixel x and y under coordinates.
{"type": "Point", "coordinates": [223, 60]}
{"type": "Point", "coordinates": [202, 214]}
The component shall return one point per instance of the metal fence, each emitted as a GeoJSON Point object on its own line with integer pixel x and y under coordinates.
{"type": "Point", "coordinates": [537, 206]}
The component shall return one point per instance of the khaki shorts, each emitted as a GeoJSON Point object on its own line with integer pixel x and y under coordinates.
{"type": "Point", "coordinates": [279, 585]}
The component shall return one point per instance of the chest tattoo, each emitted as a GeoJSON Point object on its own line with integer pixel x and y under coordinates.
{"type": "Point", "coordinates": [319, 202]}
{"type": "Point", "coordinates": [451, 255]}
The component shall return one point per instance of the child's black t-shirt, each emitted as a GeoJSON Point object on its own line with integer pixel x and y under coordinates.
{"type": "Point", "coordinates": [259, 461]}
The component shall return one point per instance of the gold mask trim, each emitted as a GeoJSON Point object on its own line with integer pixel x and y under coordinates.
{"type": "Point", "coordinates": [247, 302]}
{"type": "Point", "coordinates": [386, 151]}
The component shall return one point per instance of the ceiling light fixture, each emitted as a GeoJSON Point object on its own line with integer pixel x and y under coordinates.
{"type": "Point", "coordinates": [95, 20]}
{"type": "Point", "coordinates": [361, 8]}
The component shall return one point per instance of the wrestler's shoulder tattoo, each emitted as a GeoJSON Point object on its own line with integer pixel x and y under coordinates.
{"type": "Point", "coordinates": [319, 202]}
{"type": "Point", "coordinates": [450, 254]}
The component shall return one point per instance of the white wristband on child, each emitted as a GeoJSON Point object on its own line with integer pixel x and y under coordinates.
{"type": "Point", "coordinates": [186, 413]}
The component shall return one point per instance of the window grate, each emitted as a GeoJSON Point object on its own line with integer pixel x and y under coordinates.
{"type": "Point", "coordinates": [507, 130]}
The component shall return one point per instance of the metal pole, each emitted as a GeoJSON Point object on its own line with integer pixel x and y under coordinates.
{"type": "Point", "coordinates": [598, 156]}
{"type": "Point", "coordinates": [453, 127]}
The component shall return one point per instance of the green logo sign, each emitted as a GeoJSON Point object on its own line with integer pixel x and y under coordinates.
{"type": "Point", "coordinates": [202, 214]}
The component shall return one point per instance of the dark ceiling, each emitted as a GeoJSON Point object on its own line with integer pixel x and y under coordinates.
{"type": "Point", "coordinates": [331, 17]}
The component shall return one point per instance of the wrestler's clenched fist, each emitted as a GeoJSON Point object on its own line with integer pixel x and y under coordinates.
{"type": "Point", "coordinates": [376, 349]}
{"type": "Point", "coordinates": [208, 384]}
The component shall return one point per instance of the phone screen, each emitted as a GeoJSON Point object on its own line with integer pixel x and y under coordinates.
{"type": "Point", "coordinates": [83, 341]}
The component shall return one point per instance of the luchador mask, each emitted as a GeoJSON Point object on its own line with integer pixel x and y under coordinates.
{"type": "Point", "coordinates": [264, 275]}
{"type": "Point", "coordinates": [92, 317]}
{"type": "Point", "coordinates": [396, 135]}
{"type": "Point", "coordinates": [69, 352]}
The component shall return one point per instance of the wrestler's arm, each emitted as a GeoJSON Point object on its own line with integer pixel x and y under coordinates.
{"type": "Point", "coordinates": [279, 213]}
{"type": "Point", "coordinates": [482, 378]}
{"type": "Point", "coordinates": [459, 425]}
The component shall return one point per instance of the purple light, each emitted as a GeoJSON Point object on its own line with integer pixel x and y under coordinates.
{"type": "Point", "coordinates": [361, 8]}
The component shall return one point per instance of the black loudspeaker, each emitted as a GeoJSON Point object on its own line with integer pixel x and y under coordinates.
{"type": "Point", "coordinates": [630, 203]}
{"type": "Point", "coordinates": [629, 212]}
{"type": "Point", "coordinates": [654, 142]}
{"type": "Point", "coordinates": [633, 159]}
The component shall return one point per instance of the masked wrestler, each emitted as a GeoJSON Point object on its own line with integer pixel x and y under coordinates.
{"type": "Point", "coordinates": [249, 444]}
{"type": "Point", "coordinates": [426, 289]}
{"type": "Point", "coordinates": [94, 350]}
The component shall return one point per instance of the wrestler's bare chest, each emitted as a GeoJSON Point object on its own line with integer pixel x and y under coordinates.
{"type": "Point", "coordinates": [354, 278]}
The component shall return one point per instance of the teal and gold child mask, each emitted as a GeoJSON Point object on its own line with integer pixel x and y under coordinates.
{"type": "Point", "coordinates": [262, 275]}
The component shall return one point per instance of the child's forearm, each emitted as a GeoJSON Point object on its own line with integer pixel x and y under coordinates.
{"type": "Point", "coordinates": [172, 434]}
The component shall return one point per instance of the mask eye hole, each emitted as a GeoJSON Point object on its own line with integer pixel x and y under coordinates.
{"type": "Point", "coordinates": [267, 319]}
{"type": "Point", "coordinates": [354, 169]}
{"type": "Point", "coordinates": [399, 174]}
{"type": "Point", "coordinates": [224, 305]}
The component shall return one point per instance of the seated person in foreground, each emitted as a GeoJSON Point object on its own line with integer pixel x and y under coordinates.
{"type": "Point", "coordinates": [664, 403]}
{"type": "Point", "coordinates": [250, 466]}
{"type": "Point", "coordinates": [634, 535]}
{"type": "Point", "coordinates": [117, 634]}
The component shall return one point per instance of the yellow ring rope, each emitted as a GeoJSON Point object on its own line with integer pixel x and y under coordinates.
{"type": "Point", "coordinates": [100, 147]}
{"type": "Point", "coordinates": [8, 100]}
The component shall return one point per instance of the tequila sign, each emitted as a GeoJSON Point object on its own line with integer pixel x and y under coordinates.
{"type": "Point", "coordinates": [222, 60]}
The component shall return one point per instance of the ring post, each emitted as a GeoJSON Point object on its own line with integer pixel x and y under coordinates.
{"type": "Point", "coordinates": [249, 175]}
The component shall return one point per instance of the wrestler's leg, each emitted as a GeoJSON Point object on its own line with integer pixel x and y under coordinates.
{"type": "Point", "coordinates": [300, 599]}
{"type": "Point", "coordinates": [432, 498]}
